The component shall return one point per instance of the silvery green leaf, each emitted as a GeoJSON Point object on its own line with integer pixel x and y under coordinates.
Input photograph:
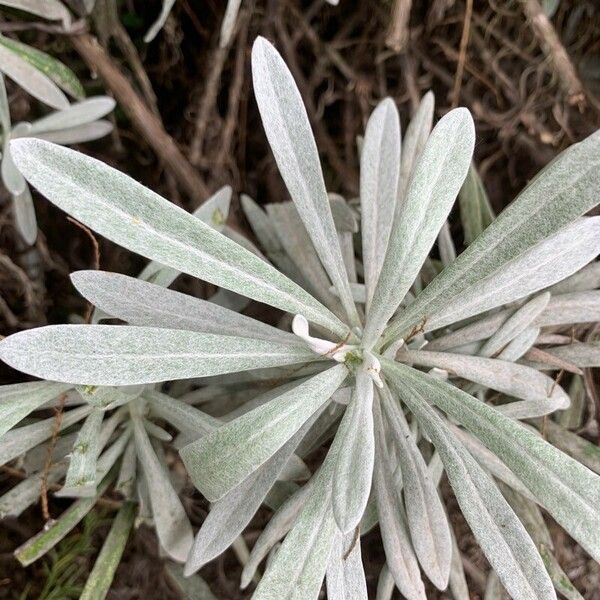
{"type": "Point", "coordinates": [266, 234]}
{"type": "Point", "coordinates": [157, 432]}
{"type": "Point", "coordinates": [379, 173]}
{"type": "Point", "coordinates": [31, 80]}
{"type": "Point", "coordinates": [25, 219]}
{"type": "Point", "coordinates": [101, 576]}
{"type": "Point", "coordinates": [520, 344]}
{"type": "Point", "coordinates": [20, 399]}
{"type": "Point", "coordinates": [497, 529]}
{"type": "Point", "coordinates": [132, 215]}
{"type": "Point", "coordinates": [457, 581]}
{"type": "Point", "coordinates": [475, 210]}
{"type": "Point", "coordinates": [58, 529]}
{"type": "Point", "coordinates": [27, 492]}
{"type": "Point", "coordinates": [172, 525]}
{"type": "Point", "coordinates": [548, 261]}
{"type": "Point", "coordinates": [123, 355]}
{"type": "Point", "coordinates": [231, 514]}
{"type": "Point", "coordinates": [107, 398]}
{"type": "Point", "coordinates": [213, 212]}
{"type": "Point", "coordinates": [299, 566]}
{"type": "Point", "coordinates": [242, 241]}
{"type": "Point", "coordinates": [417, 133]}
{"type": "Point", "coordinates": [11, 177]}
{"type": "Point", "coordinates": [566, 489]}
{"type": "Point", "coordinates": [141, 303]}
{"type": "Point", "coordinates": [515, 324]}
{"type": "Point", "coordinates": [45, 64]}
{"type": "Point", "coordinates": [585, 279]}
{"type": "Point", "coordinates": [20, 439]}
{"type": "Point", "coordinates": [427, 521]}
{"type": "Point", "coordinates": [288, 130]}
{"type": "Point", "coordinates": [229, 21]}
{"type": "Point", "coordinates": [400, 556]}
{"type": "Point", "coordinates": [127, 472]}
{"type": "Point", "coordinates": [355, 449]}
{"type": "Point", "coordinates": [574, 445]}
{"type": "Point", "coordinates": [277, 527]}
{"type": "Point", "coordinates": [490, 462]}
{"type": "Point", "coordinates": [571, 308]}
{"type": "Point", "coordinates": [294, 238]}
{"type": "Point", "coordinates": [190, 588]}
{"type": "Point", "coordinates": [79, 113]}
{"type": "Point", "coordinates": [224, 458]}
{"type": "Point", "coordinates": [493, 588]}
{"type": "Point", "coordinates": [344, 216]}
{"type": "Point", "coordinates": [446, 245]}
{"type": "Point", "coordinates": [434, 183]}
{"type": "Point", "coordinates": [563, 191]}
{"type": "Point", "coordinates": [53, 10]}
{"type": "Point", "coordinates": [345, 573]}
{"type": "Point", "coordinates": [512, 379]}
{"type": "Point", "coordinates": [165, 10]}
{"type": "Point", "coordinates": [111, 455]}
{"type": "Point", "coordinates": [385, 584]}
{"type": "Point", "coordinates": [184, 417]}
{"type": "Point", "coordinates": [78, 135]}
{"type": "Point", "coordinates": [533, 520]}
{"type": "Point", "coordinates": [578, 353]}
{"type": "Point", "coordinates": [81, 476]}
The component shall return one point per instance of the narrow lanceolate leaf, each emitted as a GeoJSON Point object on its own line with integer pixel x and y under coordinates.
{"type": "Point", "coordinates": [59, 73]}
{"type": "Point", "coordinates": [213, 212]}
{"type": "Point", "coordinates": [400, 556]}
{"type": "Point", "coordinates": [31, 80]}
{"type": "Point", "coordinates": [172, 525]}
{"type": "Point", "coordinates": [53, 10]}
{"type": "Point", "coordinates": [413, 143]}
{"type": "Point", "coordinates": [379, 173]}
{"type": "Point", "coordinates": [231, 514]}
{"type": "Point", "coordinates": [475, 210]}
{"type": "Point", "coordinates": [81, 476]}
{"type": "Point", "coordinates": [549, 261]}
{"type": "Point", "coordinates": [20, 399]}
{"type": "Point", "coordinates": [190, 588]}
{"type": "Point", "coordinates": [79, 134]}
{"type": "Point", "coordinates": [229, 21]}
{"type": "Point", "coordinates": [224, 458]}
{"type": "Point", "coordinates": [515, 324]}
{"type": "Point", "coordinates": [276, 529]}
{"type": "Point", "coordinates": [345, 572]}
{"type": "Point", "coordinates": [355, 447]}
{"type": "Point", "coordinates": [79, 113]}
{"type": "Point", "coordinates": [117, 355]}
{"type": "Point", "coordinates": [135, 217]}
{"type": "Point", "coordinates": [141, 303]}
{"type": "Point", "coordinates": [25, 218]}
{"type": "Point", "coordinates": [586, 279]}
{"type": "Point", "coordinates": [17, 441]}
{"type": "Point", "coordinates": [499, 532]}
{"type": "Point", "coordinates": [299, 566]}
{"type": "Point", "coordinates": [563, 191]}
{"type": "Point", "coordinates": [434, 184]}
{"type": "Point", "coordinates": [512, 379]}
{"type": "Point", "coordinates": [45, 540]}
{"type": "Point", "coordinates": [167, 5]}
{"type": "Point", "coordinates": [566, 489]}
{"type": "Point", "coordinates": [427, 521]}
{"type": "Point", "coordinates": [580, 354]}
{"type": "Point", "coordinates": [100, 579]}
{"type": "Point", "coordinates": [290, 137]}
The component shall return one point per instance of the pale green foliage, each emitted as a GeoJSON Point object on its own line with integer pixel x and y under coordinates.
{"type": "Point", "coordinates": [352, 368]}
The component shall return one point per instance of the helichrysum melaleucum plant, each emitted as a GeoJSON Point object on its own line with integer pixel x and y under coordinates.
{"type": "Point", "coordinates": [365, 357]}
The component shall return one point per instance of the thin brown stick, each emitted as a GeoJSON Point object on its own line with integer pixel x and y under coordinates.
{"type": "Point", "coordinates": [96, 247]}
{"type": "Point", "coordinates": [143, 119]}
{"type": "Point", "coordinates": [464, 42]}
{"type": "Point", "coordinates": [58, 415]}
{"type": "Point", "coordinates": [554, 50]}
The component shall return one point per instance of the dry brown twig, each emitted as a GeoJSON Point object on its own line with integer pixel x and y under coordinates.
{"type": "Point", "coordinates": [143, 119]}
{"type": "Point", "coordinates": [398, 33]}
